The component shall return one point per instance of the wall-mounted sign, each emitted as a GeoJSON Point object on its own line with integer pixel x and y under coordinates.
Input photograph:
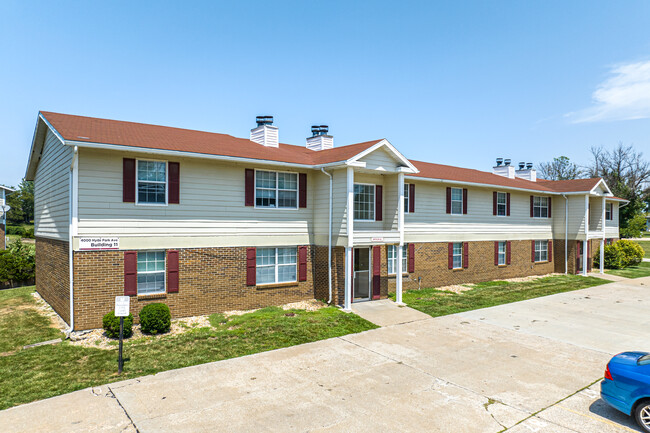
{"type": "Point", "coordinates": [377, 240]}
{"type": "Point", "coordinates": [86, 244]}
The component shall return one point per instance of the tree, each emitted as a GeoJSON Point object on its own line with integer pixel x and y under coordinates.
{"type": "Point", "coordinates": [627, 174]}
{"type": "Point", "coordinates": [560, 168]}
{"type": "Point", "coordinates": [22, 204]}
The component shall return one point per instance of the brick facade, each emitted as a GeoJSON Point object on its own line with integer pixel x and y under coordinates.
{"type": "Point", "coordinates": [211, 280]}
{"type": "Point", "coordinates": [53, 274]}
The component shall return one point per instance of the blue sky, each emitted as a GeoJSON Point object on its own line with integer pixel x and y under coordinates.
{"type": "Point", "coordinates": [454, 82]}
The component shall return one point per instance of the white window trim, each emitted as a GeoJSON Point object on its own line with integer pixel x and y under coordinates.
{"type": "Point", "coordinates": [540, 250]}
{"type": "Point", "coordinates": [505, 253]}
{"type": "Point", "coordinates": [164, 271]}
{"type": "Point", "coordinates": [374, 202]}
{"type": "Point", "coordinates": [407, 197]}
{"type": "Point", "coordinates": [453, 254]}
{"type": "Point", "coordinates": [451, 204]}
{"type": "Point", "coordinates": [137, 193]}
{"type": "Point", "coordinates": [275, 265]}
{"type": "Point", "coordinates": [548, 200]}
{"type": "Point", "coordinates": [277, 190]}
{"type": "Point", "coordinates": [505, 204]}
{"type": "Point", "coordinates": [609, 207]}
{"type": "Point", "coordinates": [404, 259]}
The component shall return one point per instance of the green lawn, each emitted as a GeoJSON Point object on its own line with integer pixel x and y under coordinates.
{"type": "Point", "coordinates": [643, 270]}
{"type": "Point", "coordinates": [46, 371]}
{"type": "Point", "coordinates": [440, 303]}
{"type": "Point", "coordinates": [646, 247]}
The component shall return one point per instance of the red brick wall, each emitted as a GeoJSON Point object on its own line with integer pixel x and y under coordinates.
{"type": "Point", "coordinates": [211, 280]}
{"type": "Point", "coordinates": [52, 274]}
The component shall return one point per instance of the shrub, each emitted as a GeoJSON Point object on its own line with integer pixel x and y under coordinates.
{"type": "Point", "coordinates": [613, 257]}
{"type": "Point", "coordinates": [631, 251]}
{"type": "Point", "coordinates": [28, 233]}
{"type": "Point", "coordinates": [155, 318]}
{"type": "Point", "coordinates": [17, 263]}
{"type": "Point", "coordinates": [635, 227]}
{"type": "Point", "coordinates": [111, 325]}
{"type": "Point", "coordinates": [15, 230]}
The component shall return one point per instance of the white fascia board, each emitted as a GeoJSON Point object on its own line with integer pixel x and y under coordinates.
{"type": "Point", "coordinates": [30, 163]}
{"type": "Point", "coordinates": [481, 185]}
{"type": "Point", "coordinates": [601, 181]}
{"type": "Point", "coordinates": [391, 148]}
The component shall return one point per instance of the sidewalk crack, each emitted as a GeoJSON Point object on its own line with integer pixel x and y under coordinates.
{"type": "Point", "coordinates": [112, 394]}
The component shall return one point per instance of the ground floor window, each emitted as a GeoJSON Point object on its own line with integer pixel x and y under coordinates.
{"type": "Point", "coordinates": [392, 259]}
{"type": "Point", "coordinates": [276, 265]}
{"type": "Point", "coordinates": [458, 255]}
{"type": "Point", "coordinates": [501, 260]}
{"type": "Point", "coordinates": [541, 251]}
{"type": "Point", "coordinates": [151, 272]}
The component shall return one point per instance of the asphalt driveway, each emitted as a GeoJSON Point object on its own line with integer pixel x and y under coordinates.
{"type": "Point", "coordinates": [531, 366]}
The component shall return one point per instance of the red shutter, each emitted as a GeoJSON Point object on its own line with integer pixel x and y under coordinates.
{"type": "Point", "coordinates": [302, 263]}
{"type": "Point", "coordinates": [251, 266]}
{"type": "Point", "coordinates": [449, 201]}
{"type": "Point", "coordinates": [130, 273]}
{"type": "Point", "coordinates": [507, 252]}
{"type": "Point", "coordinates": [532, 251]}
{"type": "Point", "coordinates": [465, 254]}
{"type": "Point", "coordinates": [376, 272]}
{"type": "Point", "coordinates": [128, 180]}
{"type": "Point", "coordinates": [302, 189]}
{"type": "Point", "coordinates": [531, 206]}
{"type": "Point", "coordinates": [378, 202]}
{"type": "Point", "coordinates": [508, 204]}
{"type": "Point", "coordinates": [411, 197]}
{"type": "Point", "coordinates": [411, 258]}
{"type": "Point", "coordinates": [494, 203]}
{"type": "Point", "coordinates": [172, 271]}
{"type": "Point", "coordinates": [496, 253]}
{"type": "Point", "coordinates": [550, 201]}
{"type": "Point", "coordinates": [550, 251]}
{"type": "Point", "coordinates": [450, 255]}
{"type": "Point", "coordinates": [250, 187]}
{"type": "Point", "coordinates": [174, 182]}
{"type": "Point", "coordinates": [464, 201]}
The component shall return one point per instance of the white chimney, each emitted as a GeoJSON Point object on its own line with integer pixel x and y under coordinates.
{"type": "Point", "coordinates": [528, 173]}
{"type": "Point", "coordinates": [265, 134]}
{"type": "Point", "coordinates": [503, 168]}
{"type": "Point", "coordinates": [320, 140]}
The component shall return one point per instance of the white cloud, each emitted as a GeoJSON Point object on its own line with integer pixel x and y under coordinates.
{"type": "Point", "coordinates": [623, 96]}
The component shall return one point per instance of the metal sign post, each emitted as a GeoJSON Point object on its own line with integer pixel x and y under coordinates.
{"type": "Point", "coordinates": [121, 311]}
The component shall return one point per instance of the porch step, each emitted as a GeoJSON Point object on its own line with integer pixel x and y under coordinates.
{"type": "Point", "coordinates": [385, 312]}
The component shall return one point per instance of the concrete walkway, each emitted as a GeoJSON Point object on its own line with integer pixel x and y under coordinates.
{"type": "Point", "coordinates": [386, 312]}
{"type": "Point", "coordinates": [531, 366]}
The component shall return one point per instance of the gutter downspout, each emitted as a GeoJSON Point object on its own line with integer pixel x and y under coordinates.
{"type": "Point", "coordinates": [566, 234]}
{"type": "Point", "coordinates": [72, 231]}
{"type": "Point", "coordinates": [329, 240]}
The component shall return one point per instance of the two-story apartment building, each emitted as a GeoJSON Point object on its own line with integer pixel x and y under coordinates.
{"type": "Point", "coordinates": [207, 222]}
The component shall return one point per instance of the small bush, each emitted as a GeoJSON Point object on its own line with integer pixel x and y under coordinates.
{"type": "Point", "coordinates": [155, 318]}
{"type": "Point", "coordinates": [17, 263]}
{"type": "Point", "coordinates": [613, 257]}
{"type": "Point", "coordinates": [28, 233]}
{"type": "Point", "coordinates": [631, 251]}
{"type": "Point", "coordinates": [111, 325]}
{"type": "Point", "coordinates": [15, 230]}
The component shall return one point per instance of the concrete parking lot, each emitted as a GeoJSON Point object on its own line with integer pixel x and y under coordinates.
{"type": "Point", "coordinates": [531, 366]}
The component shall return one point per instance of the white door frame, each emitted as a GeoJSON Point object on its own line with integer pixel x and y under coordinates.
{"type": "Point", "coordinates": [369, 249]}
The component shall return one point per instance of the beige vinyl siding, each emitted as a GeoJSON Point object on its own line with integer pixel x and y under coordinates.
{"type": "Point", "coordinates": [380, 160]}
{"type": "Point", "coordinates": [576, 216]}
{"type": "Point", "coordinates": [611, 226]}
{"type": "Point", "coordinates": [431, 223]}
{"type": "Point", "coordinates": [391, 202]}
{"type": "Point", "coordinates": [595, 214]}
{"type": "Point", "coordinates": [211, 202]}
{"type": "Point", "coordinates": [52, 190]}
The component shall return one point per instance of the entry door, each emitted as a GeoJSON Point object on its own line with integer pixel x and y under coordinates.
{"type": "Point", "coordinates": [361, 283]}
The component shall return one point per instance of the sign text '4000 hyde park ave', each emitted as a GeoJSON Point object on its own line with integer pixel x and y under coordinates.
{"type": "Point", "coordinates": [99, 244]}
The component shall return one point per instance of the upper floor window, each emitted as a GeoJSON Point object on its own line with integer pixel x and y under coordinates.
{"type": "Point", "coordinates": [276, 189]}
{"type": "Point", "coordinates": [392, 259]}
{"type": "Point", "coordinates": [151, 272]}
{"type": "Point", "coordinates": [276, 265]}
{"type": "Point", "coordinates": [540, 207]}
{"type": "Point", "coordinates": [541, 251]}
{"type": "Point", "coordinates": [501, 253]}
{"type": "Point", "coordinates": [456, 200]}
{"type": "Point", "coordinates": [152, 182]}
{"type": "Point", "coordinates": [364, 202]}
{"type": "Point", "coordinates": [608, 211]}
{"type": "Point", "coordinates": [407, 198]}
{"type": "Point", "coordinates": [502, 203]}
{"type": "Point", "coordinates": [457, 254]}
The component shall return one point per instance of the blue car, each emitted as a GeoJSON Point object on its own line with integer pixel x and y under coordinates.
{"type": "Point", "coordinates": [626, 386]}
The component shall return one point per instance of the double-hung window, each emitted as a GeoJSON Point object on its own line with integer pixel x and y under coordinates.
{"type": "Point", "coordinates": [407, 198]}
{"type": "Point", "coordinates": [457, 257]}
{"type": "Point", "coordinates": [501, 253]}
{"type": "Point", "coordinates": [541, 251]}
{"type": "Point", "coordinates": [502, 205]}
{"type": "Point", "coordinates": [276, 189]}
{"type": "Point", "coordinates": [608, 211]}
{"type": "Point", "coordinates": [540, 207]}
{"type": "Point", "coordinates": [364, 202]}
{"type": "Point", "coordinates": [457, 201]}
{"type": "Point", "coordinates": [151, 272]}
{"type": "Point", "coordinates": [152, 182]}
{"type": "Point", "coordinates": [276, 265]}
{"type": "Point", "coordinates": [392, 259]}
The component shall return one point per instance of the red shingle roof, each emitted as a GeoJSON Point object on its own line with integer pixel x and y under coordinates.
{"type": "Point", "coordinates": [571, 185]}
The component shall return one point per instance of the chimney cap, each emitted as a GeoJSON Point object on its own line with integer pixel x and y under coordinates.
{"type": "Point", "coordinates": [264, 120]}
{"type": "Point", "coordinates": [506, 161]}
{"type": "Point", "coordinates": [499, 162]}
{"type": "Point", "coordinates": [529, 165]}
{"type": "Point", "coordinates": [521, 165]}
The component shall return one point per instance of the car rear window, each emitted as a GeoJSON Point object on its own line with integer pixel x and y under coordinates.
{"type": "Point", "coordinates": [644, 360]}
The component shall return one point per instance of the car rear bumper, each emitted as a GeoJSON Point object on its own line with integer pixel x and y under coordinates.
{"type": "Point", "coordinates": [607, 392]}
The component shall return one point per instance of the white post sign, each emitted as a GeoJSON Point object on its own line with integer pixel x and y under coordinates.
{"type": "Point", "coordinates": [122, 304]}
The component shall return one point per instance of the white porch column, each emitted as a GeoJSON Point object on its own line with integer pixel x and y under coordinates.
{"type": "Point", "coordinates": [585, 255]}
{"type": "Point", "coordinates": [400, 247]}
{"type": "Point", "coordinates": [349, 251]}
{"type": "Point", "coordinates": [602, 256]}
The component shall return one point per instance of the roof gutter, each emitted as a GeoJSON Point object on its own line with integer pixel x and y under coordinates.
{"type": "Point", "coordinates": [486, 185]}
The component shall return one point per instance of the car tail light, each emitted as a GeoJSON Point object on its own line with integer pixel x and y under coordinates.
{"type": "Point", "coordinates": [608, 375]}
